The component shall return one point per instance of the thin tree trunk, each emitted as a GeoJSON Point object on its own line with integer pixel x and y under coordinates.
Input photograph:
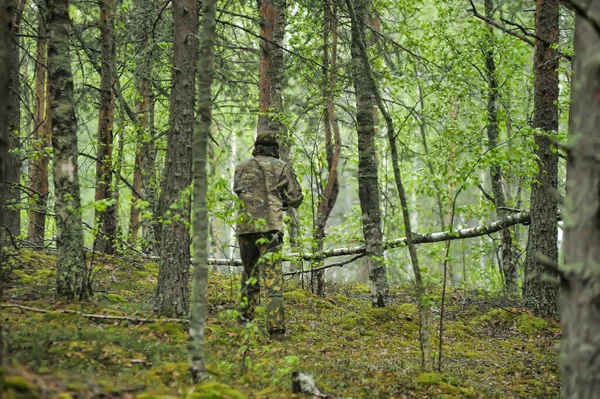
{"type": "Point", "coordinates": [12, 218]}
{"type": "Point", "coordinates": [368, 186]}
{"type": "Point", "coordinates": [71, 275]}
{"type": "Point", "coordinates": [39, 166]}
{"type": "Point", "coordinates": [580, 314]}
{"type": "Point", "coordinates": [332, 148]}
{"type": "Point", "coordinates": [539, 294]}
{"type": "Point", "coordinates": [200, 263]}
{"type": "Point", "coordinates": [106, 220]}
{"type": "Point", "coordinates": [143, 175]}
{"type": "Point", "coordinates": [412, 249]}
{"type": "Point", "coordinates": [508, 263]}
{"type": "Point", "coordinates": [172, 295]}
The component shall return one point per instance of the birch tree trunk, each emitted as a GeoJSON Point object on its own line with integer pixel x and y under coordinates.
{"type": "Point", "coordinates": [36, 228]}
{"type": "Point", "coordinates": [508, 262]}
{"type": "Point", "coordinates": [71, 274]}
{"type": "Point", "coordinates": [172, 295]}
{"type": "Point", "coordinates": [368, 186]}
{"type": "Point", "coordinates": [106, 219]}
{"type": "Point", "coordinates": [539, 294]}
{"type": "Point", "coordinates": [200, 262]}
{"type": "Point", "coordinates": [580, 314]}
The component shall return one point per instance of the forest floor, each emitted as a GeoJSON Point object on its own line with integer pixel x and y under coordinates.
{"type": "Point", "coordinates": [492, 348]}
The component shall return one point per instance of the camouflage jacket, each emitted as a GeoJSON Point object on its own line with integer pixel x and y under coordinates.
{"type": "Point", "coordinates": [266, 186]}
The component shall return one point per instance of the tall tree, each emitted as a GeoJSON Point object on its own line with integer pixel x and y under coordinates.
{"type": "Point", "coordinates": [271, 76]}
{"type": "Point", "coordinates": [36, 227]}
{"type": "Point", "coordinates": [106, 217]}
{"type": "Point", "coordinates": [333, 142]}
{"type": "Point", "coordinates": [540, 294]}
{"type": "Point", "coordinates": [13, 215]}
{"type": "Point", "coordinates": [508, 262]}
{"type": "Point", "coordinates": [200, 262]}
{"type": "Point", "coordinates": [368, 185]}
{"type": "Point", "coordinates": [71, 273]}
{"type": "Point", "coordinates": [145, 158]}
{"type": "Point", "coordinates": [172, 291]}
{"type": "Point", "coordinates": [6, 59]}
{"type": "Point", "coordinates": [580, 315]}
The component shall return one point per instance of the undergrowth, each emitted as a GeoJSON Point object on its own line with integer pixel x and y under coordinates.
{"type": "Point", "coordinates": [492, 347]}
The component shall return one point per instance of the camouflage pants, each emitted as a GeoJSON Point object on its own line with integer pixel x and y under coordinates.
{"type": "Point", "coordinates": [262, 252]}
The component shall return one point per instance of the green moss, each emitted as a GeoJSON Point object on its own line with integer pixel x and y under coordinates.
{"type": "Point", "coordinates": [113, 298]}
{"type": "Point", "coordinates": [64, 395]}
{"type": "Point", "coordinates": [214, 390]}
{"type": "Point", "coordinates": [295, 296]}
{"type": "Point", "coordinates": [429, 378]}
{"type": "Point", "coordinates": [168, 374]}
{"type": "Point", "coordinates": [360, 289]}
{"type": "Point", "coordinates": [495, 318]}
{"type": "Point", "coordinates": [16, 383]}
{"type": "Point", "coordinates": [173, 330]}
{"type": "Point", "coordinates": [528, 324]}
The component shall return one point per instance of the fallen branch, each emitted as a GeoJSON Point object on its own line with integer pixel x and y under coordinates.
{"type": "Point", "coordinates": [93, 316]}
{"type": "Point", "coordinates": [508, 221]}
{"type": "Point", "coordinates": [328, 266]}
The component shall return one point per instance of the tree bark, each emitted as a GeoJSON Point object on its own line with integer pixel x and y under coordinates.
{"type": "Point", "coordinates": [539, 294]}
{"type": "Point", "coordinates": [368, 185]}
{"type": "Point", "coordinates": [508, 262]}
{"type": "Point", "coordinates": [6, 60]}
{"type": "Point", "coordinates": [71, 275]}
{"type": "Point", "coordinates": [36, 228]}
{"type": "Point", "coordinates": [106, 217]}
{"type": "Point", "coordinates": [198, 306]}
{"type": "Point", "coordinates": [12, 218]}
{"type": "Point", "coordinates": [144, 173]}
{"type": "Point", "coordinates": [332, 147]}
{"type": "Point", "coordinates": [172, 295]}
{"type": "Point", "coordinates": [270, 85]}
{"type": "Point", "coordinates": [580, 314]}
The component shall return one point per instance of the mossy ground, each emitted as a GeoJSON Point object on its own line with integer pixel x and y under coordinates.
{"type": "Point", "coordinates": [492, 348]}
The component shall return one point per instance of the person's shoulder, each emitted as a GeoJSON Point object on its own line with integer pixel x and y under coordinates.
{"type": "Point", "coordinates": [244, 163]}
{"type": "Point", "coordinates": [271, 160]}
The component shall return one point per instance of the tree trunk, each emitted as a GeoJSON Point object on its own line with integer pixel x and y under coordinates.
{"type": "Point", "coordinates": [332, 148]}
{"type": "Point", "coordinates": [508, 262]}
{"type": "Point", "coordinates": [106, 217]}
{"type": "Point", "coordinates": [368, 186]}
{"type": "Point", "coordinates": [12, 218]}
{"type": "Point", "coordinates": [143, 175]}
{"type": "Point", "coordinates": [172, 292]}
{"type": "Point", "coordinates": [198, 306]}
{"type": "Point", "coordinates": [36, 227]}
{"type": "Point", "coordinates": [539, 294]}
{"type": "Point", "coordinates": [6, 60]}
{"type": "Point", "coordinates": [71, 275]}
{"type": "Point", "coordinates": [580, 314]}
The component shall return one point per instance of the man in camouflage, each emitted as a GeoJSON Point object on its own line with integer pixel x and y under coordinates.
{"type": "Point", "coordinates": [266, 186]}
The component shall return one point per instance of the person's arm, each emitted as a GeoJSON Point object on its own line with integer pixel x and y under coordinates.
{"type": "Point", "coordinates": [291, 191]}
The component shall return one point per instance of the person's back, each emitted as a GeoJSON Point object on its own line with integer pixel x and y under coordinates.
{"type": "Point", "coordinates": [262, 184]}
{"type": "Point", "coordinates": [266, 186]}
